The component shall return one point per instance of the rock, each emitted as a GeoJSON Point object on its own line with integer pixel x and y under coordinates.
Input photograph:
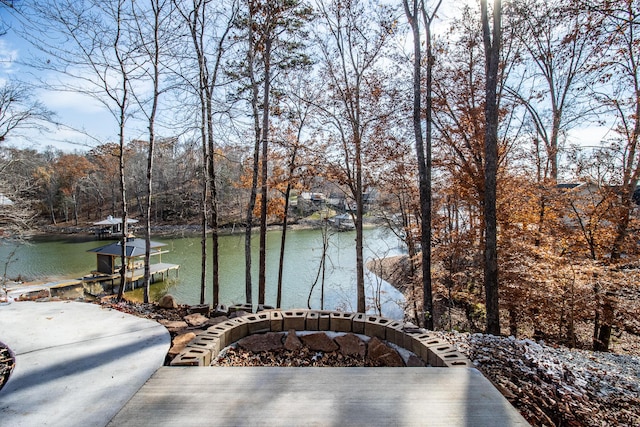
{"type": "Point", "coordinates": [415, 362]}
{"type": "Point", "coordinates": [196, 319]}
{"type": "Point", "coordinates": [292, 342]}
{"type": "Point", "coordinates": [183, 339]}
{"type": "Point", "coordinates": [219, 310]}
{"type": "Point", "coordinates": [351, 345]}
{"type": "Point", "coordinates": [319, 342]}
{"type": "Point", "coordinates": [203, 309]}
{"type": "Point", "coordinates": [173, 325]}
{"type": "Point", "coordinates": [168, 301]}
{"type": "Point", "coordinates": [35, 295]}
{"type": "Point", "coordinates": [258, 343]}
{"type": "Point", "coordinates": [381, 354]}
{"type": "Point", "coordinates": [179, 343]}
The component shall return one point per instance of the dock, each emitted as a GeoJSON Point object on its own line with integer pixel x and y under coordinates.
{"type": "Point", "coordinates": [93, 284]}
{"type": "Point", "coordinates": [134, 276]}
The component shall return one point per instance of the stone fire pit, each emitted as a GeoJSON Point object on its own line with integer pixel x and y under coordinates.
{"type": "Point", "coordinates": [376, 340]}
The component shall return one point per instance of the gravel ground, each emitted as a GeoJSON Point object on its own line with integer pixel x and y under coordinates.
{"type": "Point", "coordinates": [556, 386]}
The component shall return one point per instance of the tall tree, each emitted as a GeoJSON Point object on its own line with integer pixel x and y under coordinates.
{"type": "Point", "coordinates": [101, 68]}
{"type": "Point", "coordinates": [423, 157]}
{"type": "Point", "coordinates": [209, 29]}
{"type": "Point", "coordinates": [352, 49]}
{"type": "Point", "coordinates": [149, 20]}
{"type": "Point", "coordinates": [492, 35]}
{"type": "Point", "coordinates": [275, 34]}
{"type": "Point", "coordinates": [558, 44]}
{"type": "Point", "coordinates": [297, 113]}
{"type": "Point", "coordinates": [620, 21]}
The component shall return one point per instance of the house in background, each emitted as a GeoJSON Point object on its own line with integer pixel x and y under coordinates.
{"type": "Point", "coordinates": [111, 226]}
{"type": "Point", "coordinates": [342, 222]}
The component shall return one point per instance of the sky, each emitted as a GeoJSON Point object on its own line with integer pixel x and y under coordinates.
{"type": "Point", "coordinates": [73, 111]}
{"type": "Point", "coordinates": [82, 122]}
{"type": "Point", "coordinates": [80, 112]}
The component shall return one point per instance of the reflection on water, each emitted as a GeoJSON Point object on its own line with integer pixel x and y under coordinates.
{"type": "Point", "coordinates": [64, 256]}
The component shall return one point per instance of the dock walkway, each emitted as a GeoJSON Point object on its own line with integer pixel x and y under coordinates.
{"type": "Point", "coordinates": [74, 288]}
{"type": "Point", "coordinates": [136, 274]}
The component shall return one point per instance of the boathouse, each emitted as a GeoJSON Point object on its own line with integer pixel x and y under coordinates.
{"type": "Point", "coordinates": [111, 226]}
{"type": "Point", "coordinates": [108, 261]}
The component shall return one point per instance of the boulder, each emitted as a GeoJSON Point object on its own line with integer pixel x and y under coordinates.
{"type": "Point", "coordinates": [196, 319]}
{"type": "Point", "coordinates": [179, 343]}
{"type": "Point", "coordinates": [381, 354]}
{"type": "Point", "coordinates": [203, 309]}
{"type": "Point", "coordinates": [183, 339]}
{"type": "Point", "coordinates": [351, 345]}
{"type": "Point", "coordinates": [168, 301]}
{"type": "Point", "coordinates": [319, 342]}
{"type": "Point", "coordinates": [258, 343]}
{"type": "Point", "coordinates": [173, 325]}
{"type": "Point", "coordinates": [292, 342]}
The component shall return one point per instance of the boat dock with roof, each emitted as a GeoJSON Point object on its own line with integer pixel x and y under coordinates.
{"type": "Point", "coordinates": [109, 256]}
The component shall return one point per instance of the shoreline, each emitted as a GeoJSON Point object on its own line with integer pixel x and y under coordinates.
{"type": "Point", "coordinates": [164, 230]}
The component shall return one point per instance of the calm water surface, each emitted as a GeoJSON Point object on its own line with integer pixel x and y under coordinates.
{"type": "Point", "coordinates": [67, 256]}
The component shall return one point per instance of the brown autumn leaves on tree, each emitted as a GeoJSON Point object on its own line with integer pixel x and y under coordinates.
{"type": "Point", "coordinates": [566, 255]}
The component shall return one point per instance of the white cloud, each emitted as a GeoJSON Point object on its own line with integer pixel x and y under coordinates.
{"type": "Point", "coordinates": [588, 135]}
{"type": "Point", "coordinates": [8, 55]}
{"type": "Point", "coordinates": [74, 102]}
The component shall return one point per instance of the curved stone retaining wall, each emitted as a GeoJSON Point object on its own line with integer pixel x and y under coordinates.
{"type": "Point", "coordinates": [202, 350]}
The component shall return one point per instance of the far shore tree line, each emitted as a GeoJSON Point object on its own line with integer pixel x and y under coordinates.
{"type": "Point", "coordinates": [465, 128]}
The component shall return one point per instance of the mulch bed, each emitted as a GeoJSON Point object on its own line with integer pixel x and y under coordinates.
{"type": "Point", "coordinates": [289, 358]}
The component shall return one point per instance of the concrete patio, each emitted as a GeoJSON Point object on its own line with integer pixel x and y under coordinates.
{"type": "Point", "coordinates": [77, 364]}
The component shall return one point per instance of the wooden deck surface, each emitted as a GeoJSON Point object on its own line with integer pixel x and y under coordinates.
{"type": "Point", "coordinates": [134, 274]}
{"type": "Point", "coordinates": [216, 396]}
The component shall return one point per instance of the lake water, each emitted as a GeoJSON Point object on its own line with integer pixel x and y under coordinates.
{"type": "Point", "coordinates": [67, 256]}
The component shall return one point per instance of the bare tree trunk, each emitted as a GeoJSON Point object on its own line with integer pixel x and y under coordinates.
{"type": "Point", "coordinates": [492, 43]}
{"type": "Point", "coordinates": [362, 305]}
{"type": "Point", "coordinates": [262, 278]}
{"type": "Point", "coordinates": [213, 200]}
{"type": "Point", "coordinates": [604, 334]}
{"type": "Point", "coordinates": [155, 59]}
{"type": "Point", "coordinates": [285, 220]}
{"type": "Point", "coordinates": [122, 104]}
{"type": "Point", "coordinates": [254, 175]}
{"type": "Point", "coordinates": [213, 186]}
{"type": "Point", "coordinates": [423, 156]}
